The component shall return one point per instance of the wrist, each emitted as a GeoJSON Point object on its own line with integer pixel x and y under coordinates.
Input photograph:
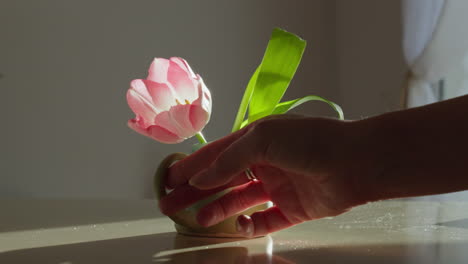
{"type": "Point", "coordinates": [371, 151]}
{"type": "Point", "coordinates": [388, 144]}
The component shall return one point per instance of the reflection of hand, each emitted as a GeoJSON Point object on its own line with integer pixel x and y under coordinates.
{"type": "Point", "coordinates": [263, 259]}
{"type": "Point", "coordinates": [189, 249]}
{"type": "Point", "coordinates": [226, 255]}
{"type": "Point", "coordinates": [306, 166]}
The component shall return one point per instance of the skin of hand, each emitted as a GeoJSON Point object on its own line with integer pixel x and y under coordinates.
{"type": "Point", "coordinates": [314, 167]}
{"type": "Point", "coordinates": [307, 167]}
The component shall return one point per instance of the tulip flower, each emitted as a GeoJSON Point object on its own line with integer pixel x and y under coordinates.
{"type": "Point", "coordinates": [171, 104]}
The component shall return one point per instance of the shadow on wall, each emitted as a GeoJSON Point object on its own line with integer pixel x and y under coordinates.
{"type": "Point", "coordinates": [156, 249]}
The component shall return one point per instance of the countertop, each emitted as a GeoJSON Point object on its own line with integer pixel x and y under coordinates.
{"type": "Point", "coordinates": [113, 231]}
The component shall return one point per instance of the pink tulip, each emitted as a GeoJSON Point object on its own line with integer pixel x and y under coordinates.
{"type": "Point", "coordinates": [171, 104]}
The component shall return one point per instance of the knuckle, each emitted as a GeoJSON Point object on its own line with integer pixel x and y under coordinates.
{"type": "Point", "coordinates": [262, 134]}
{"type": "Point", "coordinates": [237, 201]}
{"type": "Point", "coordinates": [230, 203]}
{"type": "Point", "coordinates": [263, 126]}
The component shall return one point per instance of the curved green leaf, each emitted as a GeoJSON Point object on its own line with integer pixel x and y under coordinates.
{"type": "Point", "coordinates": [245, 101]}
{"type": "Point", "coordinates": [279, 64]}
{"type": "Point", "coordinates": [284, 107]}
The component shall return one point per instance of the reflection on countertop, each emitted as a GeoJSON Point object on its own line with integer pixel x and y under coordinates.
{"type": "Point", "coordinates": [384, 232]}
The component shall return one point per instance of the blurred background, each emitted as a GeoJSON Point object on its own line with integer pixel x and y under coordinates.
{"type": "Point", "coordinates": [65, 67]}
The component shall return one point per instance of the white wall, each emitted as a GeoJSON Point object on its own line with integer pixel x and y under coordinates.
{"type": "Point", "coordinates": [370, 63]}
{"type": "Point", "coordinates": [66, 65]}
{"type": "Point", "coordinates": [456, 81]}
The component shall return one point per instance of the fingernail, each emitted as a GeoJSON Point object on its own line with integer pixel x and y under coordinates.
{"type": "Point", "coordinates": [193, 182]}
{"type": "Point", "coordinates": [244, 225]}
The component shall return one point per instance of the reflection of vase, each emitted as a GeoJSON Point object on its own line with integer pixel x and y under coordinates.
{"type": "Point", "coordinates": [225, 255]}
{"type": "Point", "coordinates": [185, 220]}
{"type": "Point", "coordinates": [208, 250]}
{"type": "Point", "coordinates": [195, 250]}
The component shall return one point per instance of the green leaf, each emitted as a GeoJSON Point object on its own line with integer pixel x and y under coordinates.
{"type": "Point", "coordinates": [284, 107]}
{"type": "Point", "coordinates": [279, 64]}
{"type": "Point", "coordinates": [245, 101]}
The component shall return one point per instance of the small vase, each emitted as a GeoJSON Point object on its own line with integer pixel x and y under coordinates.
{"type": "Point", "coordinates": [185, 220]}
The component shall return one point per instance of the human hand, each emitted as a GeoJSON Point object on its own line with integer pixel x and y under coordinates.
{"type": "Point", "coordinates": [308, 167]}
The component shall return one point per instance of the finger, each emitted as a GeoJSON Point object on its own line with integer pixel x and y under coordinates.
{"type": "Point", "coordinates": [262, 223]}
{"type": "Point", "coordinates": [237, 200]}
{"type": "Point", "coordinates": [194, 164]}
{"type": "Point", "coordinates": [245, 151]}
{"type": "Point", "coordinates": [185, 195]}
{"type": "Point", "coordinates": [183, 170]}
{"type": "Point", "coordinates": [182, 197]}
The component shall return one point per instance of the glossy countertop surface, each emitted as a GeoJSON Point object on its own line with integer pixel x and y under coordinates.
{"type": "Point", "coordinates": [91, 231]}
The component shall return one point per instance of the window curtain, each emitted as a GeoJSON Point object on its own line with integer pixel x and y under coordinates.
{"type": "Point", "coordinates": [435, 41]}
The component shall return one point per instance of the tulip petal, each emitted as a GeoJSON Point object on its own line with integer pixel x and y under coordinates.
{"type": "Point", "coordinates": [165, 121]}
{"type": "Point", "coordinates": [140, 106]}
{"type": "Point", "coordinates": [183, 64]}
{"type": "Point", "coordinates": [158, 70]}
{"type": "Point", "coordinates": [180, 114]}
{"type": "Point", "coordinates": [157, 96]}
{"type": "Point", "coordinates": [162, 95]}
{"type": "Point", "coordinates": [201, 108]}
{"type": "Point", "coordinates": [155, 132]}
{"type": "Point", "coordinates": [140, 87]}
{"type": "Point", "coordinates": [134, 124]}
{"type": "Point", "coordinates": [163, 135]}
{"type": "Point", "coordinates": [177, 121]}
{"type": "Point", "coordinates": [204, 96]}
{"type": "Point", "coordinates": [198, 117]}
{"type": "Point", "coordinates": [182, 81]}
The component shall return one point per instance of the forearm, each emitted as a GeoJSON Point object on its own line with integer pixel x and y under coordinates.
{"type": "Point", "coordinates": [418, 151]}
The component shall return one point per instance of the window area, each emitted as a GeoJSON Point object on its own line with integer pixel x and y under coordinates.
{"type": "Point", "coordinates": [456, 82]}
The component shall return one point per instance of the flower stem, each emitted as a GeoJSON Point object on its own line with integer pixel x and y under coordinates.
{"type": "Point", "coordinates": [201, 138]}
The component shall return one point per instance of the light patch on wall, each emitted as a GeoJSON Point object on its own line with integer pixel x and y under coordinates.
{"type": "Point", "coordinates": [456, 82]}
